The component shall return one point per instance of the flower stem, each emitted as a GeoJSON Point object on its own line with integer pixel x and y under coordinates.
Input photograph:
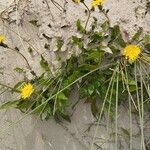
{"type": "Point", "coordinates": [105, 14]}
{"type": "Point", "coordinates": [89, 14]}
{"type": "Point", "coordinates": [17, 51]}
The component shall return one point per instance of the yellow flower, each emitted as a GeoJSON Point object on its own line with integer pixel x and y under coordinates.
{"type": "Point", "coordinates": [131, 53]}
{"type": "Point", "coordinates": [26, 90]}
{"type": "Point", "coordinates": [97, 3]}
{"type": "Point", "coordinates": [2, 38]}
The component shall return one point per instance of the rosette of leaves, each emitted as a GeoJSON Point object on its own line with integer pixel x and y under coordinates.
{"type": "Point", "coordinates": [100, 73]}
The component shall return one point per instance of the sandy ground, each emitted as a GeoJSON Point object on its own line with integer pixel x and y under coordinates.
{"type": "Point", "coordinates": [31, 133]}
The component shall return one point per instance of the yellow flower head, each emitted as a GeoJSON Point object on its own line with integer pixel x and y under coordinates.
{"type": "Point", "coordinates": [131, 53]}
{"type": "Point", "coordinates": [97, 3]}
{"type": "Point", "coordinates": [26, 90]}
{"type": "Point", "coordinates": [2, 38]}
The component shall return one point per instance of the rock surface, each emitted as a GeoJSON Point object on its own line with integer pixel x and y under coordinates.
{"type": "Point", "coordinates": [30, 133]}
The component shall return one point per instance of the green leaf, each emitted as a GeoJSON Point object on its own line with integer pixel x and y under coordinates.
{"type": "Point", "coordinates": [147, 47]}
{"type": "Point", "coordinates": [44, 64]}
{"type": "Point", "coordinates": [19, 70]}
{"type": "Point", "coordinates": [96, 37]}
{"type": "Point", "coordinates": [80, 28]}
{"type": "Point", "coordinates": [18, 85]}
{"type": "Point", "coordinates": [95, 55]}
{"type": "Point", "coordinates": [10, 104]}
{"type": "Point", "coordinates": [132, 82]}
{"type": "Point", "coordinates": [94, 108]}
{"type": "Point", "coordinates": [74, 76]}
{"type": "Point", "coordinates": [62, 96]}
{"type": "Point", "coordinates": [30, 50]}
{"type": "Point", "coordinates": [105, 26]}
{"type": "Point", "coordinates": [86, 67]}
{"type": "Point", "coordinates": [132, 85]}
{"type": "Point", "coordinates": [47, 46]}
{"type": "Point", "coordinates": [24, 105]}
{"type": "Point", "coordinates": [61, 101]}
{"type": "Point", "coordinates": [116, 36]}
{"type": "Point", "coordinates": [48, 111]}
{"type": "Point", "coordinates": [137, 35]}
{"type": "Point", "coordinates": [60, 43]}
{"type": "Point", "coordinates": [146, 39]}
{"type": "Point", "coordinates": [77, 41]}
{"type": "Point", "coordinates": [34, 23]}
{"type": "Point", "coordinates": [91, 89]}
{"type": "Point", "coordinates": [115, 32]}
{"type": "Point", "coordinates": [39, 108]}
{"type": "Point", "coordinates": [132, 88]}
{"type": "Point", "coordinates": [120, 41]}
{"type": "Point", "coordinates": [94, 24]}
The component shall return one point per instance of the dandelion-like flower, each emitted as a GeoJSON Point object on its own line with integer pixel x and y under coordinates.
{"type": "Point", "coordinates": [97, 3]}
{"type": "Point", "coordinates": [131, 53]}
{"type": "Point", "coordinates": [2, 38]}
{"type": "Point", "coordinates": [26, 90]}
